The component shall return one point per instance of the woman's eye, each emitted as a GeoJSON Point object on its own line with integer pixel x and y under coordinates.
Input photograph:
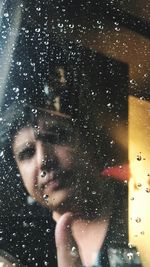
{"type": "Point", "coordinates": [26, 153]}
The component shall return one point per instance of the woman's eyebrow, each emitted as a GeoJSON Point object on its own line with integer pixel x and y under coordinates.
{"type": "Point", "coordinates": [21, 148]}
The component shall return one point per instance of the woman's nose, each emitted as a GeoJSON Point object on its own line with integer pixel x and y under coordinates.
{"type": "Point", "coordinates": [46, 157]}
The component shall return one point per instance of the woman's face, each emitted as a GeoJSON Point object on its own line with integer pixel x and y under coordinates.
{"type": "Point", "coordinates": [51, 171]}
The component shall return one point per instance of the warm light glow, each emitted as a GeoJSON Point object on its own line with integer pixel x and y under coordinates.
{"type": "Point", "coordinates": [139, 184]}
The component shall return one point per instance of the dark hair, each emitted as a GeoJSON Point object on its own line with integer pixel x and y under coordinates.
{"type": "Point", "coordinates": [21, 114]}
{"type": "Point", "coordinates": [14, 118]}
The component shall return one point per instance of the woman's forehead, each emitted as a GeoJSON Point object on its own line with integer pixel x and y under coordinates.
{"type": "Point", "coordinates": [44, 124]}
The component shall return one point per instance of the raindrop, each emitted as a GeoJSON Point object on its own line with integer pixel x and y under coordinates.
{"type": "Point", "coordinates": [32, 224]}
{"type": "Point", "coordinates": [43, 174]}
{"type": "Point", "coordinates": [138, 220]}
{"type": "Point", "coordinates": [1, 153]}
{"type": "Point", "coordinates": [38, 8]}
{"type": "Point", "coordinates": [142, 233]}
{"type": "Point", "coordinates": [6, 15]}
{"type": "Point", "coordinates": [18, 63]}
{"type": "Point", "coordinates": [93, 192]}
{"type": "Point", "coordinates": [46, 42]}
{"type": "Point", "coordinates": [139, 185]}
{"type": "Point", "coordinates": [71, 26]}
{"type": "Point", "coordinates": [48, 230]}
{"type": "Point", "coordinates": [138, 253]}
{"type": "Point", "coordinates": [132, 198]}
{"type": "Point", "coordinates": [132, 81]}
{"type": "Point", "coordinates": [37, 30]}
{"type": "Point", "coordinates": [109, 105]}
{"type": "Point", "coordinates": [130, 245]}
{"type": "Point", "coordinates": [139, 157]}
{"type": "Point", "coordinates": [130, 255]}
{"type": "Point", "coordinates": [16, 90]}
{"type": "Point", "coordinates": [60, 25]}
{"type": "Point", "coordinates": [34, 111]}
{"type": "Point", "coordinates": [45, 197]}
{"type": "Point", "coordinates": [73, 249]}
{"type": "Point", "coordinates": [45, 263]}
{"type": "Point", "coordinates": [147, 190]}
{"type": "Point", "coordinates": [117, 29]}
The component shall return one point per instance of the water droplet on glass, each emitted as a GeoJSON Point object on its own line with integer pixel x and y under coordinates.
{"type": "Point", "coordinates": [138, 219]}
{"type": "Point", "coordinates": [147, 190]}
{"type": "Point", "coordinates": [25, 74]}
{"type": "Point", "coordinates": [142, 233]}
{"type": "Point", "coordinates": [6, 15]}
{"type": "Point", "coordinates": [139, 157]}
{"type": "Point", "coordinates": [43, 173]}
{"type": "Point", "coordinates": [16, 89]}
{"type": "Point", "coordinates": [130, 255]}
{"type": "Point", "coordinates": [18, 63]}
{"type": "Point", "coordinates": [60, 25]}
{"type": "Point", "coordinates": [93, 192]}
{"type": "Point", "coordinates": [130, 245]}
{"type": "Point", "coordinates": [37, 30]}
{"type": "Point", "coordinates": [109, 105]}
{"type": "Point", "coordinates": [74, 251]}
{"type": "Point", "coordinates": [132, 81]}
{"type": "Point", "coordinates": [32, 224]}
{"type": "Point", "coordinates": [38, 8]}
{"type": "Point", "coordinates": [1, 153]}
{"type": "Point", "coordinates": [45, 197]}
{"type": "Point", "coordinates": [117, 29]}
{"type": "Point", "coordinates": [71, 26]}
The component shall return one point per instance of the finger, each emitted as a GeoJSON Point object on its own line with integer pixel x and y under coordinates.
{"type": "Point", "coordinates": [67, 252]}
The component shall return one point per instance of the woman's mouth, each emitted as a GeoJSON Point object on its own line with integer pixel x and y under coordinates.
{"type": "Point", "coordinates": [52, 184]}
{"type": "Point", "coordinates": [55, 180]}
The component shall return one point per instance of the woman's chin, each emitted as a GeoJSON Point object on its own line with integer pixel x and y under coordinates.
{"type": "Point", "coordinates": [57, 200]}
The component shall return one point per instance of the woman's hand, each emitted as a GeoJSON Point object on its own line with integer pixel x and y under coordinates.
{"type": "Point", "coordinates": [67, 251]}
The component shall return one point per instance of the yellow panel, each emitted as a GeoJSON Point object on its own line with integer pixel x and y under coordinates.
{"type": "Point", "coordinates": [139, 184]}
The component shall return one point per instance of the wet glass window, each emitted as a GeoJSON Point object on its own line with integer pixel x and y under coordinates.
{"type": "Point", "coordinates": [74, 133]}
